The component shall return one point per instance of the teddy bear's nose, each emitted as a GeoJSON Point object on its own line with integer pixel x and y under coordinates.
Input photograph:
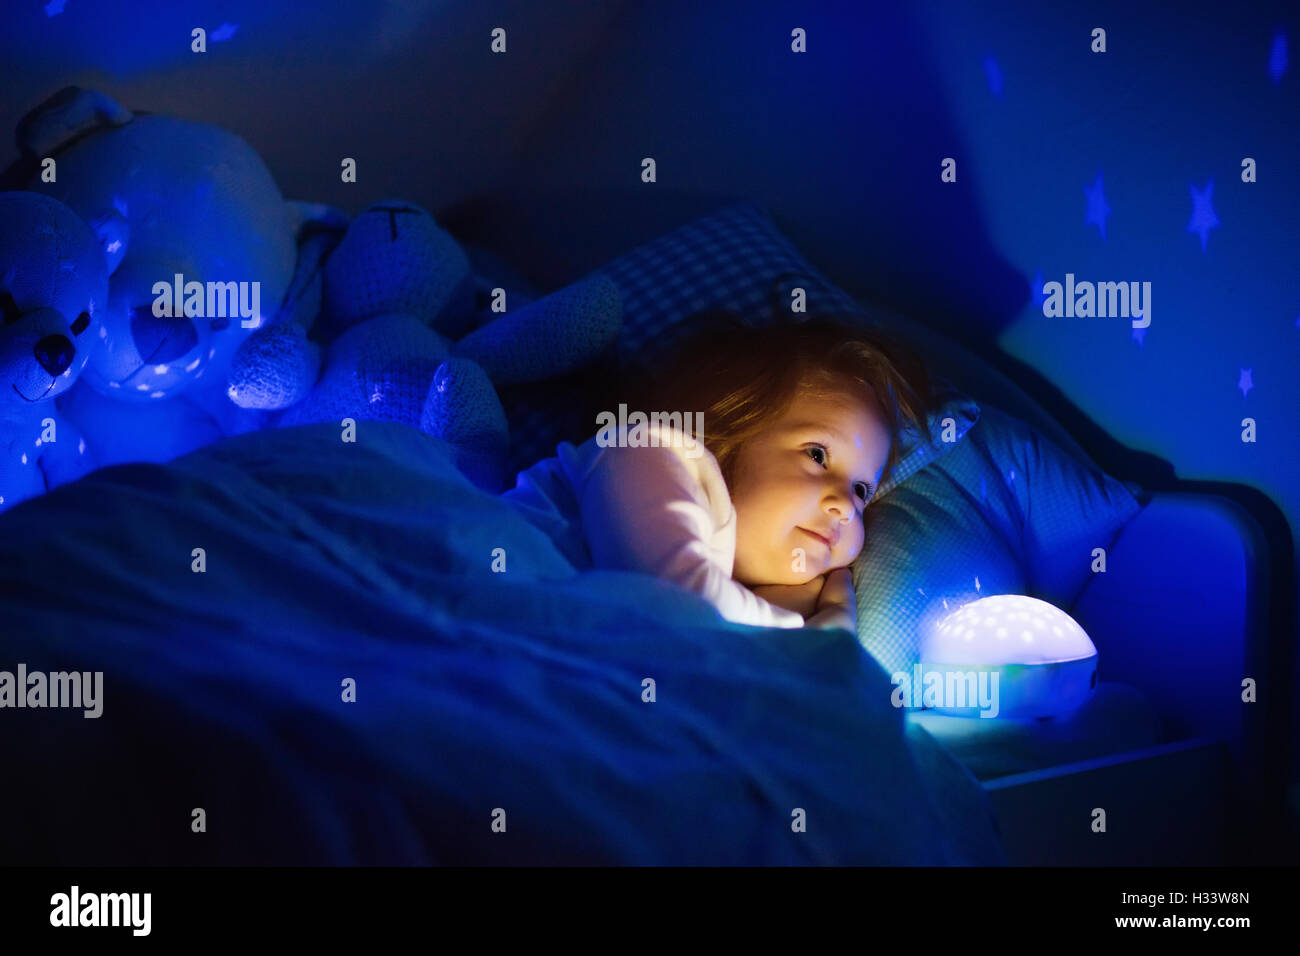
{"type": "Point", "coordinates": [54, 352]}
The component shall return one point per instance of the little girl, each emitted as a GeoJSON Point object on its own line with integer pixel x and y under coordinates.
{"type": "Point", "coordinates": [800, 426]}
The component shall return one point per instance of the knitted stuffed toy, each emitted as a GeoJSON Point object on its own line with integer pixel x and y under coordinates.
{"type": "Point", "coordinates": [194, 200]}
{"type": "Point", "coordinates": [398, 329]}
{"type": "Point", "coordinates": [53, 286]}
{"type": "Point", "coordinates": [396, 258]}
{"type": "Point", "coordinates": [277, 365]}
{"type": "Point", "coordinates": [171, 198]}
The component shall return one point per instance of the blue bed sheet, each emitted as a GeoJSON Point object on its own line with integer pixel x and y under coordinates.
{"type": "Point", "coordinates": [480, 694]}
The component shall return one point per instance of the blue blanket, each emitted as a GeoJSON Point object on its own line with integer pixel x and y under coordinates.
{"type": "Point", "coordinates": [503, 712]}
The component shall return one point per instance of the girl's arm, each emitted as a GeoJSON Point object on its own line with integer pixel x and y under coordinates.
{"type": "Point", "coordinates": [823, 604]}
{"type": "Point", "coordinates": [658, 511]}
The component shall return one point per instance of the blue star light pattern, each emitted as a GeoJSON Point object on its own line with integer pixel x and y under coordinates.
{"type": "Point", "coordinates": [993, 73]}
{"type": "Point", "coordinates": [1097, 208]}
{"type": "Point", "coordinates": [1277, 58]}
{"type": "Point", "coordinates": [1203, 217]}
{"type": "Point", "coordinates": [223, 32]}
{"type": "Point", "coordinates": [55, 7]}
{"type": "Point", "coordinates": [1245, 381]}
{"type": "Point", "coordinates": [1036, 291]}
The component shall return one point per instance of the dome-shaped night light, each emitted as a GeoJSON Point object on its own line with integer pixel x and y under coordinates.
{"type": "Point", "coordinates": [1036, 660]}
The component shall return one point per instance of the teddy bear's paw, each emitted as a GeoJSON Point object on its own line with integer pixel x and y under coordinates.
{"type": "Point", "coordinates": [20, 474]}
{"type": "Point", "coordinates": [462, 408]}
{"type": "Point", "coordinates": [64, 116]}
{"type": "Point", "coordinates": [550, 337]}
{"type": "Point", "coordinates": [274, 368]}
{"type": "Point", "coordinates": [66, 457]}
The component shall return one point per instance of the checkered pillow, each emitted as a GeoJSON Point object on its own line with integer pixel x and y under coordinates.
{"type": "Point", "coordinates": [735, 260]}
{"type": "Point", "coordinates": [948, 407]}
{"type": "Point", "coordinates": [1006, 513]}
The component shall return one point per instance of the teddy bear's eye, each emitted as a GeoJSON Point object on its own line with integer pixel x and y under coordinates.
{"type": "Point", "coordinates": [9, 307]}
{"type": "Point", "coordinates": [79, 326]}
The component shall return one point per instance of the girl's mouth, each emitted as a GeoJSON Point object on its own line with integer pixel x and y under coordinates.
{"type": "Point", "coordinates": [817, 536]}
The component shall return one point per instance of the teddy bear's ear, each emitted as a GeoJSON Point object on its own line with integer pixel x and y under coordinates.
{"type": "Point", "coordinates": [114, 234]}
{"type": "Point", "coordinates": [65, 116]}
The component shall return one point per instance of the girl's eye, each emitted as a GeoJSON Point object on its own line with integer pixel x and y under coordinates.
{"type": "Point", "coordinates": [863, 490]}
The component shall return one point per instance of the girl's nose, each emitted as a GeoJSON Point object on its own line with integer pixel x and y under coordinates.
{"type": "Point", "coordinates": [840, 504]}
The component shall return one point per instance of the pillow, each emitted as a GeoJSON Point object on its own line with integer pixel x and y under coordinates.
{"type": "Point", "coordinates": [948, 406]}
{"type": "Point", "coordinates": [1003, 512]}
{"type": "Point", "coordinates": [735, 260]}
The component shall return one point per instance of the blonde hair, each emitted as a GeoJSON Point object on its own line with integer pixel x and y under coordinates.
{"type": "Point", "coordinates": [743, 378]}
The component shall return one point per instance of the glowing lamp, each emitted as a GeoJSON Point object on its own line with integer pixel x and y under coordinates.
{"type": "Point", "coordinates": [1033, 657]}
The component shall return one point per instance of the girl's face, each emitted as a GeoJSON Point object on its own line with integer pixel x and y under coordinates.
{"type": "Point", "coordinates": [805, 479]}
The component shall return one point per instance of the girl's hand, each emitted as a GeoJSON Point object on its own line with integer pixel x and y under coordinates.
{"type": "Point", "coordinates": [800, 598]}
{"type": "Point", "coordinates": [837, 605]}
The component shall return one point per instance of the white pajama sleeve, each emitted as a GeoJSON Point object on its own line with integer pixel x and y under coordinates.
{"type": "Point", "coordinates": [644, 510]}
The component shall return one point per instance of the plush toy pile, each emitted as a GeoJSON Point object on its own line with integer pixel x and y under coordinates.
{"type": "Point", "coordinates": [159, 293]}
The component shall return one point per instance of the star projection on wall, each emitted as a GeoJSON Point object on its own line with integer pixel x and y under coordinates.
{"type": "Point", "coordinates": [993, 73]}
{"type": "Point", "coordinates": [1245, 381]}
{"type": "Point", "coordinates": [55, 7]}
{"type": "Point", "coordinates": [1277, 58]}
{"type": "Point", "coordinates": [1036, 291]}
{"type": "Point", "coordinates": [1203, 217]}
{"type": "Point", "coordinates": [1098, 210]}
{"type": "Point", "coordinates": [1139, 336]}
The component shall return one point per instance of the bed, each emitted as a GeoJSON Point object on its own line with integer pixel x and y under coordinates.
{"type": "Point", "coordinates": [493, 716]}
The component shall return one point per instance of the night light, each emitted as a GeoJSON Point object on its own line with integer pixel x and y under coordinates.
{"type": "Point", "coordinates": [1037, 660]}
